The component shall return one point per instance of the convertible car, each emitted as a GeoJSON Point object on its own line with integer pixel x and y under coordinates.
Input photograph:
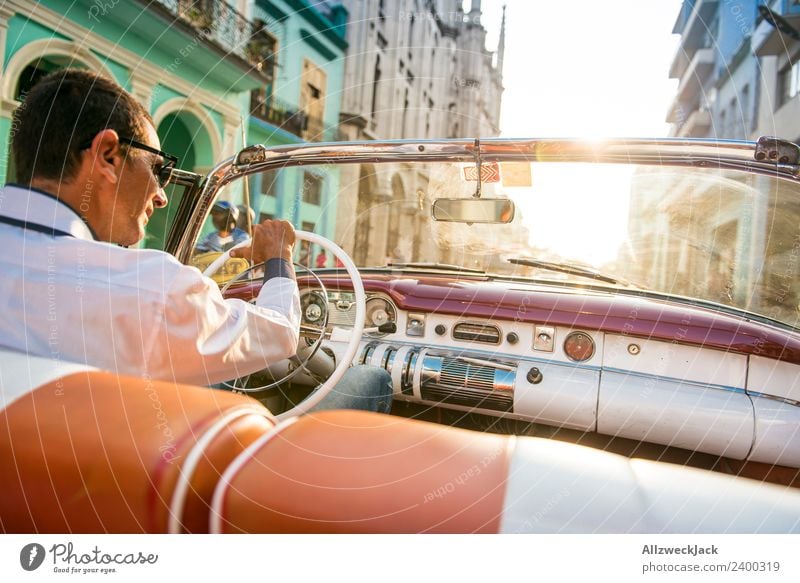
{"type": "Point", "coordinates": [581, 336]}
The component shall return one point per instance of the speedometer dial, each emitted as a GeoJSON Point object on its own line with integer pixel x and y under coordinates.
{"type": "Point", "coordinates": [313, 312]}
{"type": "Point", "coordinates": [379, 311]}
{"type": "Point", "coordinates": [313, 307]}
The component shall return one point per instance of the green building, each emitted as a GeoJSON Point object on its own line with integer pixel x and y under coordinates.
{"type": "Point", "coordinates": [303, 100]}
{"type": "Point", "coordinates": [213, 74]}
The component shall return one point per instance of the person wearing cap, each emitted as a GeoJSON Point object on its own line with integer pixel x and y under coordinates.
{"type": "Point", "coordinates": [224, 216]}
{"type": "Point", "coordinates": [89, 175]}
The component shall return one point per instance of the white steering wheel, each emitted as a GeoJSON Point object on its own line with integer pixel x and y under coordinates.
{"type": "Point", "coordinates": [358, 326]}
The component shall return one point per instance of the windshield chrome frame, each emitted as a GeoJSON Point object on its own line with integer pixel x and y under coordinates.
{"type": "Point", "coordinates": [698, 153]}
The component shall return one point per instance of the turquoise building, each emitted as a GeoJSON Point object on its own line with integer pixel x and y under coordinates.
{"type": "Point", "coordinates": [304, 102]}
{"type": "Point", "coordinates": [213, 74]}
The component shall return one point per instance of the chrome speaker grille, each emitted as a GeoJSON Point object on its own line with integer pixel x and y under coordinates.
{"type": "Point", "coordinates": [469, 381]}
{"type": "Point", "coordinates": [457, 373]}
{"type": "Point", "coordinates": [457, 381]}
{"type": "Point", "coordinates": [341, 309]}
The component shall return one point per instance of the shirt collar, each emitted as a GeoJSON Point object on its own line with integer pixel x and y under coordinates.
{"type": "Point", "coordinates": [32, 205]}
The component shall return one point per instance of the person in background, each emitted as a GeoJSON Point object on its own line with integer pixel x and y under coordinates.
{"type": "Point", "coordinates": [304, 257]}
{"type": "Point", "coordinates": [321, 260]}
{"type": "Point", "coordinates": [224, 216]}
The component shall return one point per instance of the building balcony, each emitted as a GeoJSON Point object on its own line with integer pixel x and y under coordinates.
{"type": "Point", "coordinates": [278, 113]}
{"type": "Point", "coordinates": [696, 125]}
{"type": "Point", "coordinates": [220, 24]}
{"type": "Point", "coordinates": [292, 119]}
{"type": "Point", "coordinates": [695, 77]}
{"type": "Point", "coordinates": [694, 35]}
{"type": "Point", "coordinates": [779, 37]}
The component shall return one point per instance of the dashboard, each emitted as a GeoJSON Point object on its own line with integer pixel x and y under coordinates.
{"type": "Point", "coordinates": [583, 359]}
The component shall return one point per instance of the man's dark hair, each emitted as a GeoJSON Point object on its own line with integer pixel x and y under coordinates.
{"type": "Point", "coordinates": [61, 114]}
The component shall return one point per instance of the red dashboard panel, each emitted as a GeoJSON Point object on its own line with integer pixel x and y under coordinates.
{"type": "Point", "coordinates": [587, 309]}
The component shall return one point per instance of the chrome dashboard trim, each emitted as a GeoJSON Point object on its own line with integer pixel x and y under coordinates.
{"type": "Point", "coordinates": [775, 398]}
{"type": "Point", "coordinates": [641, 375]}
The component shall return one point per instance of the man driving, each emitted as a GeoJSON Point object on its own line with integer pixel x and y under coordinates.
{"type": "Point", "coordinates": [90, 173]}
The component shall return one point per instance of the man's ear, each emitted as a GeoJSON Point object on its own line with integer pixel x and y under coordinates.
{"type": "Point", "coordinates": [105, 156]}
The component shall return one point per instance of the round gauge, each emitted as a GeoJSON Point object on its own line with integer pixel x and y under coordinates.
{"type": "Point", "coordinates": [380, 311]}
{"type": "Point", "coordinates": [579, 346]}
{"type": "Point", "coordinates": [313, 312]}
{"type": "Point", "coordinates": [313, 307]}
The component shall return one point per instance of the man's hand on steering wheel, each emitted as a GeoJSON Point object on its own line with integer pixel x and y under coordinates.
{"type": "Point", "coordinates": [275, 239]}
{"type": "Point", "coordinates": [271, 239]}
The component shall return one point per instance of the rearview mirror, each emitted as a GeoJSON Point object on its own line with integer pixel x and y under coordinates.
{"type": "Point", "coordinates": [473, 210]}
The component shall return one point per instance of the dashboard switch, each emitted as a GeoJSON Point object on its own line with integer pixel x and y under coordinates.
{"type": "Point", "coordinates": [535, 376]}
{"type": "Point", "coordinates": [544, 338]}
{"type": "Point", "coordinates": [415, 325]}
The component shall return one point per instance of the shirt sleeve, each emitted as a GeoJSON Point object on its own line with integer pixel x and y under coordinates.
{"type": "Point", "coordinates": [205, 339]}
{"type": "Point", "coordinates": [278, 267]}
{"type": "Point", "coordinates": [205, 243]}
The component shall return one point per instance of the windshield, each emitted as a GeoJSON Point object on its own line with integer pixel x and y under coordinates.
{"type": "Point", "coordinates": [712, 235]}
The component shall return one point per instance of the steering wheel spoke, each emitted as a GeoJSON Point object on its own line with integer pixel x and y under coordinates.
{"type": "Point", "coordinates": [312, 331]}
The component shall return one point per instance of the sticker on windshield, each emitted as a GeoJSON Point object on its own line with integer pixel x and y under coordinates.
{"type": "Point", "coordinates": [490, 172]}
{"type": "Point", "coordinates": [516, 173]}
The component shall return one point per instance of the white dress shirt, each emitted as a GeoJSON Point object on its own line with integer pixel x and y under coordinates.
{"type": "Point", "coordinates": [129, 311]}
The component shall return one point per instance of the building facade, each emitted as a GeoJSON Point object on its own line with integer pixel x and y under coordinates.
{"type": "Point", "coordinates": [776, 44]}
{"type": "Point", "coordinates": [300, 103]}
{"type": "Point", "coordinates": [414, 69]}
{"type": "Point", "coordinates": [738, 71]}
{"type": "Point", "coordinates": [738, 79]}
{"type": "Point", "coordinates": [718, 77]}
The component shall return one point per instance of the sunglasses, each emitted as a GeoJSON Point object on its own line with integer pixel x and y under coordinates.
{"type": "Point", "coordinates": [163, 171]}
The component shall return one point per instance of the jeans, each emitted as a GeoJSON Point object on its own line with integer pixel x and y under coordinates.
{"type": "Point", "coordinates": [366, 388]}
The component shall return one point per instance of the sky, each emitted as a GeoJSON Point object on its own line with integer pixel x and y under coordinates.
{"type": "Point", "coordinates": [585, 68]}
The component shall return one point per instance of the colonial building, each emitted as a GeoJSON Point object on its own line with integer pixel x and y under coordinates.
{"type": "Point", "coordinates": [717, 74]}
{"type": "Point", "coordinates": [738, 71]}
{"type": "Point", "coordinates": [300, 103]}
{"type": "Point", "coordinates": [738, 79]}
{"type": "Point", "coordinates": [414, 69]}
